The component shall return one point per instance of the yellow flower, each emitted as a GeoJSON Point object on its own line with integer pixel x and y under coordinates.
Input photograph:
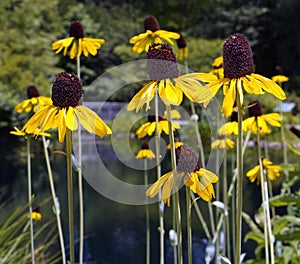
{"type": "Point", "coordinates": [190, 172]}
{"type": "Point", "coordinates": [280, 78]}
{"type": "Point", "coordinates": [218, 69]}
{"type": "Point", "coordinates": [78, 43]}
{"type": "Point", "coordinates": [34, 102]}
{"type": "Point", "coordinates": [201, 181]}
{"type": "Point", "coordinates": [218, 62]}
{"type": "Point", "coordinates": [272, 170]}
{"type": "Point", "coordinates": [22, 133]}
{"type": "Point", "coordinates": [150, 127]}
{"type": "Point", "coordinates": [222, 143]}
{"type": "Point", "coordinates": [174, 114]}
{"type": "Point", "coordinates": [239, 76]}
{"type": "Point", "coordinates": [66, 111]}
{"type": "Point", "coordinates": [145, 152]}
{"type": "Point", "coordinates": [163, 71]}
{"type": "Point", "coordinates": [231, 127]}
{"type": "Point", "coordinates": [176, 143]}
{"type": "Point", "coordinates": [183, 51]}
{"type": "Point", "coordinates": [152, 35]}
{"type": "Point", "coordinates": [257, 122]}
{"type": "Point", "coordinates": [36, 215]}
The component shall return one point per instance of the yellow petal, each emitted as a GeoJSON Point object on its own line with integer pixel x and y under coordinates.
{"type": "Point", "coordinates": [71, 121]}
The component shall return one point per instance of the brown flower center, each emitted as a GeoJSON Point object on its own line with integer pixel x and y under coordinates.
{"type": "Point", "coordinates": [255, 109]}
{"type": "Point", "coordinates": [76, 30]}
{"type": "Point", "coordinates": [237, 57]}
{"type": "Point", "coordinates": [32, 91]}
{"type": "Point", "coordinates": [151, 118]}
{"type": "Point", "coordinates": [145, 146]}
{"type": "Point", "coordinates": [161, 63]}
{"type": "Point", "coordinates": [181, 43]}
{"type": "Point", "coordinates": [151, 23]}
{"type": "Point", "coordinates": [186, 159]}
{"type": "Point", "coordinates": [67, 90]}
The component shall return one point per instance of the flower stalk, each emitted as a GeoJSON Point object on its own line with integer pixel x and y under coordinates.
{"type": "Point", "coordinates": [30, 200]}
{"type": "Point", "coordinates": [189, 225]}
{"type": "Point", "coordinates": [55, 202]}
{"type": "Point", "coordinates": [70, 193]}
{"type": "Point", "coordinates": [147, 215]}
{"type": "Point", "coordinates": [176, 191]}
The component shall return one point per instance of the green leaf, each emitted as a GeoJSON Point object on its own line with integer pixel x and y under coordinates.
{"type": "Point", "coordinates": [258, 237]}
{"type": "Point", "coordinates": [292, 148]}
{"type": "Point", "coordinates": [284, 200]}
{"type": "Point", "coordinates": [291, 235]}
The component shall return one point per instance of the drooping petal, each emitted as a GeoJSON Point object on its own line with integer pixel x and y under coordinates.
{"type": "Point", "coordinates": [71, 121]}
{"type": "Point", "coordinates": [229, 98]}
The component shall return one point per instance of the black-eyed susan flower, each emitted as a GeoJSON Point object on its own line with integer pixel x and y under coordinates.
{"type": "Point", "coordinates": [222, 142]}
{"type": "Point", "coordinates": [239, 75]}
{"type": "Point", "coordinates": [153, 34]}
{"type": "Point", "coordinates": [230, 127]}
{"type": "Point", "coordinates": [34, 102]}
{"type": "Point", "coordinates": [66, 110]}
{"type": "Point", "coordinates": [149, 128]}
{"type": "Point", "coordinates": [190, 173]}
{"type": "Point", "coordinates": [218, 69]}
{"type": "Point", "coordinates": [257, 122]}
{"type": "Point", "coordinates": [174, 114]}
{"type": "Point", "coordinates": [36, 214]}
{"type": "Point", "coordinates": [163, 71]}
{"type": "Point", "coordinates": [78, 42]}
{"type": "Point", "coordinates": [22, 133]}
{"type": "Point", "coordinates": [145, 152]}
{"type": "Point", "coordinates": [273, 171]}
{"type": "Point", "coordinates": [183, 51]}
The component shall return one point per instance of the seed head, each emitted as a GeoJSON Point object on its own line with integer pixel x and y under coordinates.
{"type": "Point", "coordinates": [181, 43]}
{"type": "Point", "coordinates": [186, 159]}
{"type": "Point", "coordinates": [32, 91]}
{"type": "Point", "coordinates": [151, 23]}
{"type": "Point", "coordinates": [67, 90]}
{"type": "Point", "coordinates": [76, 30]}
{"type": "Point", "coordinates": [161, 63]}
{"type": "Point", "coordinates": [237, 57]}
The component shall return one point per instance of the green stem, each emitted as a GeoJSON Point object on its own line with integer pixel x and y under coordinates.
{"type": "Point", "coordinates": [55, 202]}
{"type": "Point", "coordinates": [239, 194]}
{"type": "Point", "coordinates": [158, 172]}
{"type": "Point", "coordinates": [147, 215]}
{"type": "Point", "coordinates": [189, 225]}
{"type": "Point", "coordinates": [176, 183]}
{"type": "Point", "coordinates": [70, 193]}
{"type": "Point", "coordinates": [30, 199]}
{"type": "Point", "coordinates": [80, 186]}
{"type": "Point", "coordinates": [225, 199]}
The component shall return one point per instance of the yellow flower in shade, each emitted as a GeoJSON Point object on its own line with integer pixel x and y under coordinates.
{"type": "Point", "coordinates": [257, 122]}
{"type": "Point", "coordinates": [149, 128]}
{"type": "Point", "coordinates": [174, 114]}
{"type": "Point", "coordinates": [273, 171]}
{"type": "Point", "coordinates": [34, 102]}
{"type": "Point", "coordinates": [176, 143]}
{"type": "Point", "coordinates": [145, 152]}
{"type": "Point", "coordinates": [153, 34]}
{"type": "Point", "coordinates": [163, 70]}
{"type": "Point", "coordinates": [190, 173]}
{"type": "Point", "coordinates": [280, 78]}
{"type": "Point", "coordinates": [66, 110]}
{"type": "Point", "coordinates": [222, 143]}
{"type": "Point", "coordinates": [239, 76]}
{"type": "Point", "coordinates": [36, 215]}
{"type": "Point", "coordinates": [78, 42]}
{"type": "Point", "coordinates": [230, 127]}
{"type": "Point", "coordinates": [218, 69]}
{"type": "Point", "coordinates": [183, 51]}
{"type": "Point", "coordinates": [22, 133]}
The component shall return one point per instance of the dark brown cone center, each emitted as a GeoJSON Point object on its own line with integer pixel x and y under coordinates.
{"type": "Point", "coordinates": [32, 91]}
{"type": "Point", "coordinates": [76, 30]}
{"type": "Point", "coordinates": [151, 23]}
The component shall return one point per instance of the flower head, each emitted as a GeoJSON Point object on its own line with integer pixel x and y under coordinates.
{"type": "Point", "coordinates": [145, 152]}
{"type": "Point", "coordinates": [190, 172]}
{"type": "Point", "coordinates": [163, 71]}
{"type": "Point", "coordinates": [258, 122]}
{"type": "Point", "coordinates": [66, 110]}
{"type": "Point", "coordinates": [78, 42]}
{"type": "Point", "coordinates": [230, 127]}
{"type": "Point", "coordinates": [183, 51]}
{"type": "Point", "coordinates": [22, 133]}
{"type": "Point", "coordinates": [218, 69]}
{"type": "Point", "coordinates": [222, 142]}
{"type": "Point", "coordinates": [150, 127]}
{"type": "Point", "coordinates": [34, 102]}
{"type": "Point", "coordinates": [153, 34]}
{"type": "Point", "coordinates": [239, 76]}
{"type": "Point", "coordinates": [273, 171]}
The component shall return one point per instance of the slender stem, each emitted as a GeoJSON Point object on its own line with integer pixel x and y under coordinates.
{"type": "Point", "coordinates": [239, 194]}
{"type": "Point", "coordinates": [70, 193]}
{"type": "Point", "coordinates": [30, 199]}
{"type": "Point", "coordinates": [80, 186]}
{"type": "Point", "coordinates": [176, 183]}
{"type": "Point", "coordinates": [147, 215]}
{"type": "Point", "coordinates": [189, 225]}
{"type": "Point", "coordinates": [55, 202]}
{"type": "Point", "coordinates": [158, 172]}
{"type": "Point", "coordinates": [225, 199]}
{"type": "Point", "coordinates": [217, 244]}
